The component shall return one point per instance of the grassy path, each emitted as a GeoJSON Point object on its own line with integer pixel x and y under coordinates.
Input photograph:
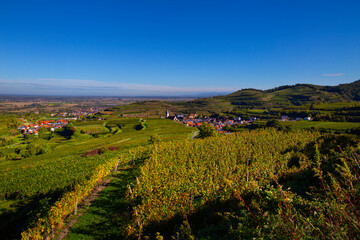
{"type": "Point", "coordinates": [109, 213]}
{"type": "Point", "coordinates": [87, 202]}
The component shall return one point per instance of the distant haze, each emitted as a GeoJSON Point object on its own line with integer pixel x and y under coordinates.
{"type": "Point", "coordinates": [72, 87]}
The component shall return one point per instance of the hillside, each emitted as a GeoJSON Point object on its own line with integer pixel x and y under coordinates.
{"type": "Point", "coordinates": [299, 97]}
{"type": "Point", "coordinates": [348, 91]}
{"type": "Point", "coordinates": [29, 183]}
{"type": "Point", "coordinates": [226, 187]}
{"type": "Point", "coordinates": [264, 184]}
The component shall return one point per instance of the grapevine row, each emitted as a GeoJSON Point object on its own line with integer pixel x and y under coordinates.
{"type": "Point", "coordinates": [68, 202]}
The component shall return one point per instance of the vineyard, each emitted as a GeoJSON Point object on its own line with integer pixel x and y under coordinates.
{"type": "Point", "coordinates": [259, 184]}
{"type": "Point", "coordinates": [263, 183]}
{"type": "Point", "coordinates": [31, 186]}
{"type": "Point", "coordinates": [27, 177]}
{"type": "Point", "coordinates": [47, 224]}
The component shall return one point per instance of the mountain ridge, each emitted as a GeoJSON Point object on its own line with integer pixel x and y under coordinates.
{"type": "Point", "coordinates": [298, 94]}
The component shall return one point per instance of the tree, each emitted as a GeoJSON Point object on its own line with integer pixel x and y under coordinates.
{"type": "Point", "coordinates": [30, 150]}
{"type": "Point", "coordinates": [207, 130]}
{"type": "Point", "coordinates": [17, 150]}
{"type": "Point", "coordinates": [69, 130]}
{"type": "Point", "coordinates": [142, 124]}
{"type": "Point", "coordinates": [227, 128]}
{"type": "Point", "coordinates": [43, 130]}
{"type": "Point", "coordinates": [41, 149]}
{"type": "Point", "coordinates": [51, 135]}
{"type": "Point", "coordinates": [273, 123]}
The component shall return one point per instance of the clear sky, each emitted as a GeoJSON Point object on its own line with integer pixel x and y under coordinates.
{"type": "Point", "coordinates": [173, 48]}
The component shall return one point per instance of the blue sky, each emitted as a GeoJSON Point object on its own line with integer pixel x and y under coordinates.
{"type": "Point", "coordinates": [173, 48]}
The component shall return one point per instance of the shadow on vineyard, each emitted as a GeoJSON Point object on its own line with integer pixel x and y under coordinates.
{"type": "Point", "coordinates": [211, 221]}
{"type": "Point", "coordinates": [110, 213]}
{"type": "Point", "coordinates": [24, 213]}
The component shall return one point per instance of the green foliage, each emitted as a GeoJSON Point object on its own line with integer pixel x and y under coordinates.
{"type": "Point", "coordinates": [102, 150]}
{"type": "Point", "coordinates": [142, 124]}
{"type": "Point", "coordinates": [11, 156]}
{"type": "Point", "coordinates": [79, 123]}
{"type": "Point", "coordinates": [34, 149]}
{"type": "Point", "coordinates": [53, 216]}
{"type": "Point", "coordinates": [29, 136]}
{"type": "Point", "coordinates": [112, 201]}
{"type": "Point", "coordinates": [97, 130]}
{"type": "Point", "coordinates": [31, 149]}
{"type": "Point", "coordinates": [13, 123]}
{"type": "Point", "coordinates": [300, 100]}
{"type": "Point", "coordinates": [184, 232]}
{"type": "Point", "coordinates": [49, 165]}
{"type": "Point", "coordinates": [51, 135]}
{"type": "Point", "coordinates": [154, 139]}
{"type": "Point", "coordinates": [207, 130]}
{"type": "Point", "coordinates": [227, 128]}
{"type": "Point", "coordinates": [350, 90]}
{"type": "Point", "coordinates": [13, 132]}
{"type": "Point", "coordinates": [6, 141]}
{"type": "Point", "coordinates": [114, 126]}
{"type": "Point", "coordinates": [181, 177]}
{"type": "Point", "coordinates": [239, 127]}
{"type": "Point", "coordinates": [273, 123]}
{"type": "Point", "coordinates": [58, 170]}
{"type": "Point", "coordinates": [258, 184]}
{"type": "Point", "coordinates": [69, 130]}
{"type": "Point", "coordinates": [329, 126]}
{"type": "Point", "coordinates": [17, 150]}
{"type": "Point", "coordinates": [41, 149]}
{"type": "Point", "coordinates": [43, 130]}
{"type": "Point", "coordinates": [258, 125]}
{"type": "Point", "coordinates": [158, 236]}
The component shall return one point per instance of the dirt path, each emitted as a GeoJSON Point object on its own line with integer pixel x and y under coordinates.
{"type": "Point", "coordinates": [195, 134]}
{"type": "Point", "coordinates": [87, 202]}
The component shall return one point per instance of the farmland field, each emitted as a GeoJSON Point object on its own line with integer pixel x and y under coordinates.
{"type": "Point", "coordinates": [338, 105]}
{"type": "Point", "coordinates": [50, 174]}
{"type": "Point", "coordinates": [321, 125]}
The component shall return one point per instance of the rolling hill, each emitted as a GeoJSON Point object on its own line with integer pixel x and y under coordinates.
{"type": "Point", "coordinates": [299, 96]}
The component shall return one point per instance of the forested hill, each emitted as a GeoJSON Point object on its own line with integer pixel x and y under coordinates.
{"type": "Point", "coordinates": [288, 96]}
{"type": "Point", "coordinates": [348, 91]}
{"type": "Point", "coordinates": [298, 94]}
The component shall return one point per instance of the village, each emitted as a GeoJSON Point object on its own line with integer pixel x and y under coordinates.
{"type": "Point", "coordinates": [194, 120]}
{"type": "Point", "coordinates": [33, 128]}
{"type": "Point", "coordinates": [78, 113]}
